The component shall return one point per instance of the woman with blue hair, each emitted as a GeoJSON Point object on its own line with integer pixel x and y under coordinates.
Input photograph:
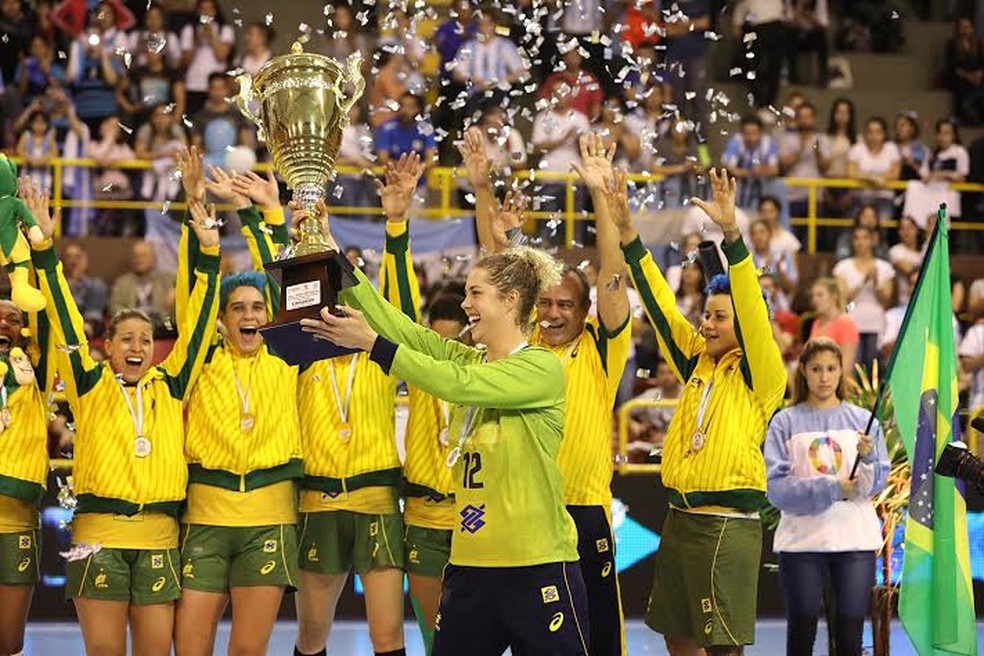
{"type": "Point", "coordinates": [238, 539]}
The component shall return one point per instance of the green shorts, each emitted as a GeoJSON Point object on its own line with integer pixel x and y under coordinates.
{"type": "Point", "coordinates": [426, 550]}
{"type": "Point", "coordinates": [139, 576]}
{"type": "Point", "coordinates": [338, 541]}
{"type": "Point", "coordinates": [20, 557]}
{"type": "Point", "coordinates": [218, 558]}
{"type": "Point", "coordinates": [706, 582]}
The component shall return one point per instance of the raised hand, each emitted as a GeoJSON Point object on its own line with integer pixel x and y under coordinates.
{"type": "Point", "coordinates": [348, 329]}
{"type": "Point", "coordinates": [474, 158]}
{"type": "Point", "coordinates": [298, 215]}
{"type": "Point", "coordinates": [192, 169]}
{"type": "Point", "coordinates": [265, 193]}
{"type": "Point", "coordinates": [509, 217]}
{"type": "Point", "coordinates": [721, 209]}
{"type": "Point", "coordinates": [596, 162]}
{"type": "Point", "coordinates": [396, 194]}
{"type": "Point", "coordinates": [37, 203]}
{"type": "Point", "coordinates": [204, 223]}
{"type": "Point", "coordinates": [616, 191]}
{"type": "Point", "coordinates": [220, 183]}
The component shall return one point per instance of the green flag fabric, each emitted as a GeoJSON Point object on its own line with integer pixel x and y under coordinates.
{"type": "Point", "coordinates": [936, 604]}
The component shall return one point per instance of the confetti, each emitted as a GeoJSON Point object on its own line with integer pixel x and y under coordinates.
{"type": "Point", "coordinates": [80, 552]}
{"type": "Point", "coordinates": [68, 348]}
{"type": "Point", "coordinates": [850, 307]}
{"type": "Point", "coordinates": [125, 128]}
{"type": "Point", "coordinates": [642, 373]}
{"type": "Point", "coordinates": [268, 19]}
{"type": "Point", "coordinates": [155, 43]}
{"type": "Point", "coordinates": [614, 284]}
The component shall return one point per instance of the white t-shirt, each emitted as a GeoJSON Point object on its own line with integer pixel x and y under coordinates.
{"type": "Point", "coordinates": [893, 326]}
{"type": "Point", "coordinates": [898, 254]}
{"type": "Point", "coordinates": [356, 143]}
{"type": "Point", "coordinates": [867, 312]}
{"type": "Point", "coordinates": [973, 346]}
{"type": "Point", "coordinates": [551, 125]}
{"type": "Point", "coordinates": [253, 63]}
{"type": "Point", "coordinates": [203, 63]}
{"type": "Point", "coordinates": [870, 164]}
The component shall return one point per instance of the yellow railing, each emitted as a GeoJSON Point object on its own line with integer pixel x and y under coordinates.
{"type": "Point", "coordinates": [443, 180]}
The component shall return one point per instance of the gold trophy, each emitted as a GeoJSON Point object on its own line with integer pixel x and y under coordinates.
{"type": "Point", "coordinates": [303, 108]}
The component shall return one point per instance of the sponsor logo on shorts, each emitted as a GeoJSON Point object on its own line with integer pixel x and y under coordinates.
{"type": "Point", "coordinates": [312, 554]}
{"type": "Point", "coordinates": [606, 570]}
{"type": "Point", "coordinates": [268, 567]}
{"type": "Point", "coordinates": [472, 518]}
{"type": "Point", "coordinates": [705, 605]}
{"type": "Point", "coordinates": [188, 571]}
{"type": "Point", "coordinates": [158, 584]}
{"type": "Point", "coordinates": [23, 541]}
{"type": "Point", "coordinates": [23, 565]}
{"type": "Point", "coordinates": [157, 561]}
{"type": "Point", "coordinates": [101, 580]}
{"type": "Point", "coordinates": [602, 545]}
{"type": "Point", "coordinates": [556, 622]}
{"type": "Point", "coordinates": [708, 627]}
{"type": "Point", "coordinates": [373, 529]}
{"type": "Point", "coordinates": [270, 546]}
{"type": "Point", "coordinates": [414, 557]}
{"type": "Point", "coordinates": [549, 594]}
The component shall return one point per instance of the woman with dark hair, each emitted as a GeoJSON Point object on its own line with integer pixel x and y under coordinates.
{"type": "Point", "coordinates": [875, 161]}
{"type": "Point", "coordinates": [828, 529]}
{"type": "Point", "coordinates": [691, 294]}
{"type": "Point", "coordinates": [964, 71]}
{"type": "Point", "coordinates": [914, 152]}
{"type": "Point", "coordinates": [949, 162]}
{"type": "Point", "coordinates": [866, 216]}
{"type": "Point", "coordinates": [907, 255]}
{"type": "Point", "coordinates": [841, 134]}
{"type": "Point", "coordinates": [206, 48]}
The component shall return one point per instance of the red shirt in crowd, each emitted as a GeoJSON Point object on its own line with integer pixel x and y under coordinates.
{"type": "Point", "coordinates": [586, 92]}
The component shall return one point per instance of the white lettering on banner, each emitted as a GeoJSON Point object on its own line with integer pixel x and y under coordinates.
{"type": "Point", "coordinates": [303, 295]}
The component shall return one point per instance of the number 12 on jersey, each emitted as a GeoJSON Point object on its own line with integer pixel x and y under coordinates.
{"type": "Point", "coordinates": [473, 465]}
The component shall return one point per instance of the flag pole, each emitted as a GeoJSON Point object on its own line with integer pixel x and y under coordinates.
{"type": "Point", "coordinates": [940, 217]}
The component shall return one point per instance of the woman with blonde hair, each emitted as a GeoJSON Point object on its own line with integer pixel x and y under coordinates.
{"type": "Point", "coordinates": [832, 321]}
{"type": "Point", "coordinates": [828, 529]}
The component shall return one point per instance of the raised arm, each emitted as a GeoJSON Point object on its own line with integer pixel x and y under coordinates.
{"type": "Point", "coordinates": [195, 334]}
{"type": "Point", "coordinates": [761, 364]}
{"type": "Point", "coordinates": [479, 168]}
{"type": "Point", "coordinates": [265, 194]}
{"type": "Point", "coordinates": [399, 282]}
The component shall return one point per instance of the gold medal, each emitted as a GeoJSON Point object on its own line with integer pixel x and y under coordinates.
{"type": "Point", "coordinates": [246, 422]}
{"type": "Point", "coordinates": [141, 446]}
{"type": "Point", "coordinates": [345, 432]}
{"type": "Point", "coordinates": [697, 441]}
{"type": "Point", "coordinates": [453, 456]}
{"type": "Point", "coordinates": [443, 436]}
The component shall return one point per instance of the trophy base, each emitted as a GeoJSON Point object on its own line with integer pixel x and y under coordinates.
{"type": "Point", "coordinates": [295, 347]}
{"type": "Point", "coordinates": [307, 284]}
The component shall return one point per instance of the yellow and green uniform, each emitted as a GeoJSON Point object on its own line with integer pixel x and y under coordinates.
{"type": "Point", "coordinates": [508, 489]}
{"type": "Point", "coordinates": [351, 465]}
{"type": "Point", "coordinates": [714, 470]}
{"type": "Point", "coordinates": [128, 498]}
{"type": "Point", "coordinates": [24, 461]}
{"type": "Point", "coordinates": [243, 466]}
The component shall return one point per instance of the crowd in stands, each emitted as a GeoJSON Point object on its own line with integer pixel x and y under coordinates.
{"type": "Point", "coordinates": [131, 80]}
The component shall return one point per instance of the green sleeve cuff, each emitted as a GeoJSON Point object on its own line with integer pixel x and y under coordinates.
{"type": "Point", "coordinates": [736, 251]}
{"type": "Point", "coordinates": [208, 259]}
{"type": "Point", "coordinates": [249, 216]}
{"type": "Point", "coordinates": [397, 243]}
{"type": "Point", "coordinates": [46, 258]}
{"type": "Point", "coordinates": [609, 334]}
{"type": "Point", "coordinates": [634, 251]}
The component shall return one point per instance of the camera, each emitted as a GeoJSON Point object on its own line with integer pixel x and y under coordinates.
{"type": "Point", "coordinates": [957, 461]}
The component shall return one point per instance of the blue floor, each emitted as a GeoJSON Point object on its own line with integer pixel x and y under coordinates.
{"type": "Point", "coordinates": [351, 639]}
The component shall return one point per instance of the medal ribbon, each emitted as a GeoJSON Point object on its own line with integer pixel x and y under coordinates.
{"type": "Point", "coordinates": [137, 415]}
{"type": "Point", "coordinates": [244, 396]}
{"type": "Point", "coordinates": [702, 408]}
{"type": "Point", "coordinates": [343, 404]}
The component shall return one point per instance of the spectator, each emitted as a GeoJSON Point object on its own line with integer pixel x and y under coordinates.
{"type": "Point", "coordinates": [647, 425]}
{"type": "Point", "coordinates": [767, 260]}
{"type": "Point", "coordinates": [616, 130]}
{"type": "Point", "coordinates": [45, 27]}
{"type": "Point", "coordinates": [72, 18]}
{"type": "Point", "coordinates": [347, 37]}
{"type": "Point", "coordinates": [504, 146]}
{"type": "Point", "coordinates": [641, 24]}
{"type": "Point", "coordinates": [686, 59]}
{"type": "Point", "coordinates": [752, 157]}
{"type": "Point", "coordinates": [865, 217]}
{"type": "Point", "coordinates": [906, 256]}
{"type": "Point", "coordinates": [399, 34]}
{"type": "Point", "coordinates": [808, 27]}
{"type": "Point", "coordinates": [638, 80]}
{"type": "Point", "coordinates": [452, 96]}
{"type": "Point", "coordinates": [95, 72]}
{"type": "Point", "coordinates": [154, 83]}
{"type": "Point", "coordinates": [690, 296]}
{"type": "Point", "coordinates": [88, 291]}
{"type": "Point", "coordinates": [972, 361]}
{"type": "Point", "coordinates": [219, 125]}
{"type": "Point", "coordinates": [841, 135]}
{"type": "Point", "coordinates": [556, 130]}
{"type": "Point", "coordinates": [783, 243]}
{"type": "Point", "coordinates": [39, 71]}
{"type": "Point", "coordinates": [875, 161]}
{"type": "Point", "coordinates": [409, 132]}
{"type": "Point", "coordinates": [868, 284]}
{"type": "Point", "coordinates": [387, 87]}
{"type": "Point", "coordinates": [457, 30]}
{"type": "Point", "coordinates": [687, 253]}
{"type": "Point", "coordinates": [356, 151]}
{"type": "Point", "coordinates": [16, 29]}
{"type": "Point", "coordinates": [37, 147]}
{"type": "Point", "coordinates": [489, 63]}
{"type": "Point", "coordinates": [948, 163]}
{"type": "Point", "coordinates": [914, 153]}
{"type": "Point", "coordinates": [155, 38]}
{"type": "Point", "coordinates": [652, 123]}
{"type": "Point", "coordinates": [259, 37]}
{"type": "Point", "coordinates": [678, 164]}
{"type": "Point", "coordinates": [831, 321]}
{"type": "Point", "coordinates": [206, 47]}
{"type": "Point", "coordinates": [111, 183]}
{"type": "Point", "coordinates": [760, 23]}
{"type": "Point", "coordinates": [964, 72]}
{"type": "Point", "coordinates": [803, 153]}
{"type": "Point", "coordinates": [143, 287]}
{"type": "Point", "coordinates": [586, 91]}
{"type": "Point", "coordinates": [975, 300]}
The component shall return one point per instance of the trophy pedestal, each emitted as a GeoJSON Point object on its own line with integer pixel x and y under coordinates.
{"type": "Point", "coordinates": [307, 284]}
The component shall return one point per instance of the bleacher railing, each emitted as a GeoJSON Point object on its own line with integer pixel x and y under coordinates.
{"type": "Point", "coordinates": [444, 182]}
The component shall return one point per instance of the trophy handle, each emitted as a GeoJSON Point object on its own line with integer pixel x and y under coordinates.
{"type": "Point", "coordinates": [243, 98]}
{"type": "Point", "coordinates": [353, 75]}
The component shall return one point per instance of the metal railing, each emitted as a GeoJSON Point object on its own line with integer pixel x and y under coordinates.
{"type": "Point", "coordinates": [443, 180]}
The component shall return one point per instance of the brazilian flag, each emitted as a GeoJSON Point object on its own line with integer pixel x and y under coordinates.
{"type": "Point", "coordinates": [936, 604]}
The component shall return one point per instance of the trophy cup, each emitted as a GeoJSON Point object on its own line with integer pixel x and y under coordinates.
{"type": "Point", "coordinates": [303, 108]}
